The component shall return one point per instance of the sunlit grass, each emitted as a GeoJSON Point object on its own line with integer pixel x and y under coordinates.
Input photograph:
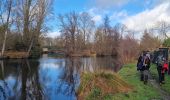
{"type": "Point", "coordinates": [165, 86]}
{"type": "Point", "coordinates": [107, 86]}
{"type": "Point", "coordinates": [101, 85]}
{"type": "Point", "coordinates": [141, 91]}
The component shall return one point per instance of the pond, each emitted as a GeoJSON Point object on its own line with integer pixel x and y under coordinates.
{"type": "Point", "coordinates": [48, 78]}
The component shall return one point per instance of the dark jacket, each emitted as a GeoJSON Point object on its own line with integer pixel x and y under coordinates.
{"type": "Point", "coordinates": [140, 63]}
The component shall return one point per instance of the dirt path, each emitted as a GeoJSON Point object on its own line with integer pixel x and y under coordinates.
{"type": "Point", "coordinates": [154, 83]}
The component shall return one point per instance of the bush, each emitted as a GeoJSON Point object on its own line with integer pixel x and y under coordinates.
{"type": "Point", "coordinates": [166, 42]}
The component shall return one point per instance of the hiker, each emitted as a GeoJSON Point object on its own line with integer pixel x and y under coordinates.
{"type": "Point", "coordinates": [160, 63]}
{"type": "Point", "coordinates": [140, 62]}
{"type": "Point", "coordinates": [143, 66]}
{"type": "Point", "coordinates": [164, 69]}
{"type": "Point", "coordinates": [140, 66]}
{"type": "Point", "coordinates": [146, 66]}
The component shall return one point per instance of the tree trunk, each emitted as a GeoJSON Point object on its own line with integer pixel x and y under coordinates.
{"type": "Point", "coordinates": [30, 47]}
{"type": "Point", "coordinates": [4, 44]}
{"type": "Point", "coordinates": [6, 28]}
{"type": "Point", "coordinates": [2, 67]}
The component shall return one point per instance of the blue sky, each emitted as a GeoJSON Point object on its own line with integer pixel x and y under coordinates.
{"type": "Point", "coordinates": [133, 13]}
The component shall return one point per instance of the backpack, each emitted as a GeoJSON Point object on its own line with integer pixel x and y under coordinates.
{"type": "Point", "coordinates": [146, 62]}
{"type": "Point", "coordinates": [160, 61]}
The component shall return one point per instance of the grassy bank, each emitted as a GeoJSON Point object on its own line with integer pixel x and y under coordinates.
{"type": "Point", "coordinates": [101, 86]}
{"type": "Point", "coordinates": [93, 86]}
{"type": "Point", "coordinates": [141, 91]}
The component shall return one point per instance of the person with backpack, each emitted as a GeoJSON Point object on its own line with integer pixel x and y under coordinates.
{"type": "Point", "coordinates": [160, 62]}
{"type": "Point", "coordinates": [143, 66]}
{"type": "Point", "coordinates": [164, 69]}
{"type": "Point", "coordinates": [146, 66]}
{"type": "Point", "coordinates": [140, 66]}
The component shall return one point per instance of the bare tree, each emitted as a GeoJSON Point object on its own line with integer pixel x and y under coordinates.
{"type": "Point", "coordinates": [128, 49]}
{"type": "Point", "coordinates": [99, 41]}
{"type": "Point", "coordinates": [8, 3]}
{"type": "Point", "coordinates": [41, 12]}
{"type": "Point", "coordinates": [163, 28]}
{"type": "Point", "coordinates": [105, 33]}
{"type": "Point", "coordinates": [107, 38]}
{"type": "Point", "coordinates": [30, 20]}
{"type": "Point", "coordinates": [86, 27]}
{"type": "Point", "coordinates": [122, 29]}
{"type": "Point", "coordinates": [69, 30]}
{"type": "Point", "coordinates": [149, 42]}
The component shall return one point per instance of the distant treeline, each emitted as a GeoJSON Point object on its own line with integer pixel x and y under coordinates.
{"type": "Point", "coordinates": [79, 32]}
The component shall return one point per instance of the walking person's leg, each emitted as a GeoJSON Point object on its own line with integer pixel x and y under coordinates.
{"type": "Point", "coordinates": [141, 75]}
{"type": "Point", "coordinates": [159, 75]}
{"type": "Point", "coordinates": [169, 71]}
{"type": "Point", "coordinates": [163, 78]}
{"type": "Point", "coordinates": [146, 72]}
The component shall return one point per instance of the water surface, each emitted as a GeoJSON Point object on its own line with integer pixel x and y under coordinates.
{"type": "Point", "coordinates": [48, 78]}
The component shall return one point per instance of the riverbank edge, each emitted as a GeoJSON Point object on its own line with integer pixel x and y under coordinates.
{"type": "Point", "coordinates": [101, 85]}
{"type": "Point", "coordinates": [130, 75]}
{"type": "Point", "coordinates": [142, 92]}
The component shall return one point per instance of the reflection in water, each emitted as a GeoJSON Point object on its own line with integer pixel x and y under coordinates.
{"type": "Point", "coordinates": [59, 78]}
{"type": "Point", "coordinates": [47, 78]}
{"type": "Point", "coordinates": [31, 88]}
{"type": "Point", "coordinates": [19, 81]}
{"type": "Point", "coordinates": [100, 63]}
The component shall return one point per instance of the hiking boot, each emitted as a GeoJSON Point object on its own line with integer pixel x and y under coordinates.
{"type": "Point", "coordinates": [163, 82]}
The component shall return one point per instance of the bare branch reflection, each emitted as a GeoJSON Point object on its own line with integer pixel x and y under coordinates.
{"type": "Point", "coordinates": [48, 78]}
{"type": "Point", "coordinates": [31, 88]}
{"type": "Point", "coordinates": [24, 80]}
{"type": "Point", "coordinates": [70, 76]}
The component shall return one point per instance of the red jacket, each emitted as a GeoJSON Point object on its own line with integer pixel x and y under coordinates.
{"type": "Point", "coordinates": [165, 67]}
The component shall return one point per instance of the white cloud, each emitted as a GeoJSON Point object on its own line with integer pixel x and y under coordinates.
{"type": "Point", "coordinates": [119, 15]}
{"type": "Point", "coordinates": [148, 18]}
{"type": "Point", "coordinates": [97, 18]}
{"type": "Point", "coordinates": [53, 34]}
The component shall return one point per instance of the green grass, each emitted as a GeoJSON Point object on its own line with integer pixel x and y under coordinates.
{"type": "Point", "coordinates": [141, 91]}
{"type": "Point", "coordinates": [166, 86]}
{"type": "Point", "coordinates": [101, 86]}
{"type": "Point", "coordinates": [127, 74]}
{"type": "Point", "coordinates": [154, 72]}
{"type": "Point", "coordinates": [94, 94]}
